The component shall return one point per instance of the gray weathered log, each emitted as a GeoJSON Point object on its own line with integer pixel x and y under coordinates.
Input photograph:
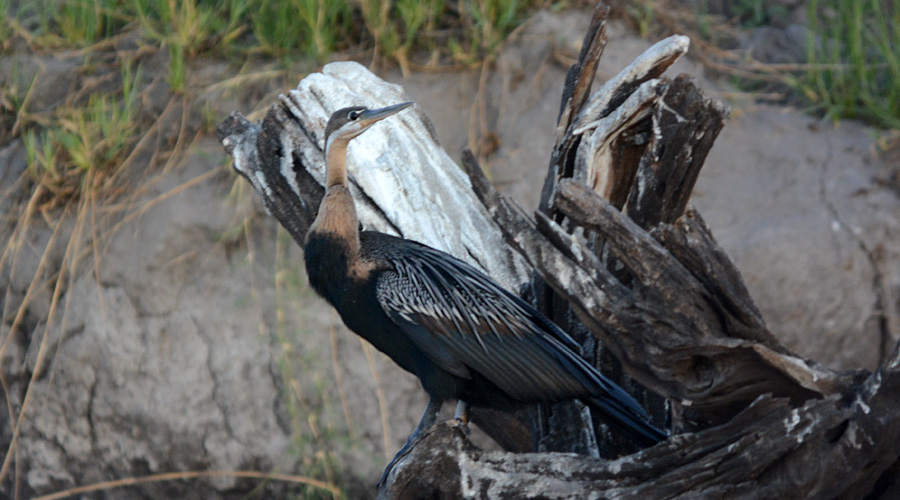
{"type": "Point", "coordinates": [600, 139]}
{"type": "Point", "coordinates": [283, 159]}
{"type": "Point", "coordinates": [667, 328]}
{"type": "Point", "coordinates": [823, 448]}
{"type": "Point", "coordinates": [581, 115]}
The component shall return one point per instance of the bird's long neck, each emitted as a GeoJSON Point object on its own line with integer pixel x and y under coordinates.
{"type": "Point", "coordinates": [337, 213]}
{"type": "Point", "coordinates": [336, 162]}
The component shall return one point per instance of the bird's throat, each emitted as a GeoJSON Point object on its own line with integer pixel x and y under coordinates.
{"type": "Point", "coordinates": [337, 217]}
{"type": "Point", "coordinates": [336, 163]}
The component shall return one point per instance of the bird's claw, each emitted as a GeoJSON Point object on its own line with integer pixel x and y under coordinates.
{"type": "Point", "coordinates": [429, 417]}
{"type": "Point", "coordinates": [410, 444]}
{"type": "Point", "coordinates": [387, 472]}
{"type": "Point", "coordinates": [407, 447]}
{"type": "Point", "coordinates": [461, 424]}
{"type": "Point", "coordinates": [384, 476]}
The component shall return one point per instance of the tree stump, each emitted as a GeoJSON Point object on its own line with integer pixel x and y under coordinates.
{"type": "Point", "coordinates": [617, 254]}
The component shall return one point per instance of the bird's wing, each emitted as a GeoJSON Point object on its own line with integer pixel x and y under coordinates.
{"type": "Point", "coordinates": [461, 318]}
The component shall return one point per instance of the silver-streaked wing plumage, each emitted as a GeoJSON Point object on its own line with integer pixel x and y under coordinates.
{"type": "Point", "coordinates": [462, 320]}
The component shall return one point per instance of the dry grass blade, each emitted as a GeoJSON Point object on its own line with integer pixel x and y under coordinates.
{"type": "Point", "coordinates": [339, 379]}
{"type": "Point", "coordinates": [20, 237]}
{"type": "Point", "coordinates": [180, 476]}
{"type": "Point", "coordinates": [246, 79]}
{"type": "Point", "coordinates": [42, 350]}
{"type": "Point", "coordinates": [382, 400]}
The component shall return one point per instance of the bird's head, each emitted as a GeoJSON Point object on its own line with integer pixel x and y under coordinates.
{"type": "Point", "coordinates": [347, 123]}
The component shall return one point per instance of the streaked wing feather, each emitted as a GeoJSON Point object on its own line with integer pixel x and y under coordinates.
{"type": "Point", "coordinates": [462, 319]}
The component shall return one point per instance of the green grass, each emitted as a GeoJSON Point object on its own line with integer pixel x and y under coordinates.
{"type": "Point", "coordinates": [854, 55]}
{"type": "Point", "coordinates": [491, 20]}
{"type": "Point", "coordinates": [187, 28]}
{"type": "Point", "coordinates": [83, 140]}
{"type": "Point", "coordinates": [51, 24]}
{"type": "Point", "coordinates": [289, 28]}
{"type": "Point", "coordinates": [755, 13]}
{"type": "Point", "coordinates": [417, 17]}
{"type": "Point", "coordinates": [84, 22]}
{"type": "Point", "coordinates": [96, 135]}
{"type": "Point", "coordinates": [853, 51]}
{"type": "Point", "coordinates": [471, 29]}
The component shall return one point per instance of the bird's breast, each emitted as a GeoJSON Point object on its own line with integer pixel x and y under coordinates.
{"type": "Point", "coordinates": [327, 264]}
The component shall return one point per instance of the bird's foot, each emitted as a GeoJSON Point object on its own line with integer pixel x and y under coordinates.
{"type": "Point", "coordinates": [462, 414]}
{"type": "Point", "coordinates": [411, 441]}
{"type": "Point", "coordinates": [429, 417]}
{"type": "Point", "coordinates": [460, 424]}
{"type": "Point", "coordinates": [407, 447]}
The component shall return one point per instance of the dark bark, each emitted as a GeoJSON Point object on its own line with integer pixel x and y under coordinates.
{"type": "Point", "coordinates": [668, 329]}
{"type": "Point", "coordinates": [553, 424]}
{"type": "Point", "coordinates": [823, 448]}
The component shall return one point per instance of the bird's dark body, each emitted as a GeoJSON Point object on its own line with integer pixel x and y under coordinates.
{"type": "Point", "coordinates": [516, 358]}
{"type": "Point", "coordinates": [355, 300]}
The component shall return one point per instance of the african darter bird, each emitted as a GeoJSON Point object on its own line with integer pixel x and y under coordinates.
{"type": "Point", "coordinates": [462, 334]}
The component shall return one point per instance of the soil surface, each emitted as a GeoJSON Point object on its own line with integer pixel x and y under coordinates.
{"type": "Point", "coordinates": [190, 340]}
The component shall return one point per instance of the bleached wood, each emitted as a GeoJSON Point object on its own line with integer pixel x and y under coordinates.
{"type": "Point", "coordinates": [403, 182]}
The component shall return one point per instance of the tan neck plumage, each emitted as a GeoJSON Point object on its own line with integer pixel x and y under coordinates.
{"type": "Point", "coordinates": [337, 213]}
{"type": "Point", "coordinates": [336, 162]}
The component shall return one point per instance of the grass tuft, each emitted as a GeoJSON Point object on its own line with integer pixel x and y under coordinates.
{"type": "Point", "coordinates": [92, 138]}
{"type": "Point", "coordinates": [493, 20]}
{"type": "Point", "coordinates": [854, 56]}
{"type": "Point", "coordinates": [83, 22]}
{"type": "Point", "coordinates": [852, 69]}
{"type": "Point", "coordinates": [184, 28]}
{"type": "Point", "coordinates": [310, 27]}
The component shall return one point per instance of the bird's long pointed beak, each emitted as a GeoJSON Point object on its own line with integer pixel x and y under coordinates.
{"type": "Point", "coordinates": [371, 116]}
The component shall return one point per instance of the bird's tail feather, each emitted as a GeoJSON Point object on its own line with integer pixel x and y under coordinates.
{"type": "Point", "coordinates": [622, 420]}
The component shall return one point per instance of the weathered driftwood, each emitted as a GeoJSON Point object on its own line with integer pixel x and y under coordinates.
{"type": "Point", "coordinates": [600, 141]}
{"type": "Point", "coordinates": [616, 241]}
{"type": "Point", "coordinates": [426, 199]}
{"type": "Point", "coordinates": [823, 448]}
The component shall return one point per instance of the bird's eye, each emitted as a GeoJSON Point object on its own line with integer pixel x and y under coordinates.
{"type": "Point", "coordinates": [353, 115]}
